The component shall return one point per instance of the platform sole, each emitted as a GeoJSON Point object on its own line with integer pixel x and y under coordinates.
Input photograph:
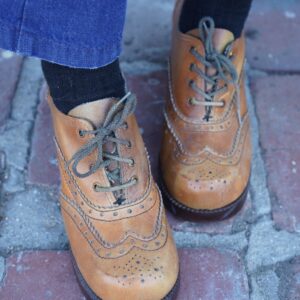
{"type": "Point", "coordinates": [181, 210]}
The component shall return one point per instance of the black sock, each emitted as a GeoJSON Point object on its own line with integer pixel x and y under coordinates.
{"type": "Point", "coordinates": [227, 14]}
{"type": "Point", "coordinates": [70, 87]}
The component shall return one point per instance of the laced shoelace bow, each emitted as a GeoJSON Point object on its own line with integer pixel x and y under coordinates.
{"type": "Point", "coordinates": [223, 66]}
{"type": "Point", "coordinates": [114, 119]}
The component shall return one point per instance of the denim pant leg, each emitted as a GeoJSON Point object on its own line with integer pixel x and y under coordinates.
{"type": "Point", "coordinates": [75, 33]}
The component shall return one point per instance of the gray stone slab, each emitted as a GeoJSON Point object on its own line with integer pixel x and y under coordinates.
{"type": "Point", "coordinates": [265, 286]}
{"type": "Point", "coordinates": [27, 93]}
{"type": "Point", "coordinates": [236, 241]}
{"type": "Point", "coordinates": [2, 268]}
{"type": "Point", "coordinates": [268, 246]}
{"type": "Point", "coordinates": [259, 190]}
{"type": "Point", "coordinates": [147, 33]}
{"type": "Point", "coordinates": [14, 141]}
{"type": "Point", "coordinates": [15, 181]}
{"type": "Point", "coordinates": [32, 220]}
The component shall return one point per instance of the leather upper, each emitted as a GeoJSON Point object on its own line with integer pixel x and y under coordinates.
{"type": "Point", "coordinates": [123, 251]}
{"type": "Point", "coordinates": [205, 164]}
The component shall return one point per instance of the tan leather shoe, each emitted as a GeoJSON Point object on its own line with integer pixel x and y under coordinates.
{"type": "Point", "coordinates": [206, 151]}
{"type": "Point", "coordinates": [114, 217]}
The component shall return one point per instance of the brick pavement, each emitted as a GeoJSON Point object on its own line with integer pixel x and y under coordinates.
{"type": "Point", "coordinates": [254, 255]}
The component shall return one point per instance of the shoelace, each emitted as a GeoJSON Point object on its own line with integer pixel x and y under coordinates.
{"type": "Point", "coordinates": [219, 62]}
{"type": "Point", "coordinates": [115, 119]}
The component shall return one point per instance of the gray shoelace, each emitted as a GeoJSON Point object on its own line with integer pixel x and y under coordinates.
{"type": "Point", "coordinates": [220, 62]}
{"type": "Point", "coordinates": [115, 119]}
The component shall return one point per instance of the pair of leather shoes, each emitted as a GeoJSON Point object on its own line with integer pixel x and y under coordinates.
{"type": "Point", "coordinates": [121, 243]}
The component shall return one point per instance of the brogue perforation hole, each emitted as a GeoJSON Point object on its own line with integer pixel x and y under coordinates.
{"type": "Point", "coordinates": [138, 268]}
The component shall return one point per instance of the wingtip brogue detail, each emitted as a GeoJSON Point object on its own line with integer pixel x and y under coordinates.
{"type": "Point", "coordinates": [205, 157]}
{"type": "Point", "coordinates": [121, 242]}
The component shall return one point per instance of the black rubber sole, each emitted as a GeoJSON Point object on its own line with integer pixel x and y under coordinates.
{"type": "Point", "coordinates": [185, 212]}
{"type": "Point", "coordinates": [90, 295]}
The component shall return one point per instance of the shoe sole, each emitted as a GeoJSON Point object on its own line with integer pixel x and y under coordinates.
{"type": "Point", "coordinates": [181, 210]}
{"type": "Point", "coordinates": [90, 295]}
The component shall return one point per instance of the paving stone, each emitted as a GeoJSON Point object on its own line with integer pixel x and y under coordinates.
{"type": "Point", "coordinates": [27, 93]}
{"type": "Point", "coordinates": [147, 44]}
{"type": "Point", "coordinates": [205, 274]}
{"type": "Point", "coordinates": [14, 141]}
{"type": "Point", "coordinates": [15, 181]}
{"type": "Point", "coordinates": [31, 220]}
{"type": "Point", "coordinates": [43, 167]}
{"type": "Point", "coordinates": [237, 241]}
{"type": "Point", "coordinates": [259, 191]}
{"type": "Point", "coordinates": [268, 246]}
{"type": "Point", "coordinates": [2, 268]}
{"type": "Point", "coordinates": [10, 66]}
{"type": "Point", "coordinates": [272, 35]}
{"type": "Point", "coordinates": [289, 276]}
{"type": "Point", "coordinates": [209, 274]}
{"type": "Point", "coordinates": [265, 286]}
{"type": "Point", "coordinates": [40, 275]}
{"type": "Point", "coordinates": [280, 136]}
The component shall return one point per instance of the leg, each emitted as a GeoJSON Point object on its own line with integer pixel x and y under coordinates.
{"type": "Point", "coordinates": [206, 152]}
{"type": "Point", "coordinates": [70, 87]}
{"type": "Point", "coordinates": [227, 14]}
{"type": "Point", "coordinates": [120, 241]}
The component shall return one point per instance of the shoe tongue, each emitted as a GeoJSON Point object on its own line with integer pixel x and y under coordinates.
{"type": "Point", "coordinates": [221, 38]}
{"type": "Point", "coordinates": [94, 112]}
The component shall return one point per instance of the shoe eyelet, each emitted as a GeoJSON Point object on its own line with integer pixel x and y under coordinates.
{"type": "Point", "coordinates": [231, 55]}
{"type": "Point", "coordinates": [190, 101]}
{"type": "Point", "coordinates": [95, 185]}
{"type": "Point", "coordinates": [223, 102]}
{"type": "Point", "coordinates": [129, 145]}
{"type": "Point", "coordinates": [80, 132]}
{"type": "Point", "coordinates": [192, 49]}
{"type": "Point", "coordinates": [125, 125]}
{"type": "Point", "coordinates": [191, 82]}
{"type": "Point", "coordinates": [192, 66]}
{"type": "Point", "coordinates": [135, 179]}
{"type": "Point", "coordinates": [132, 162]}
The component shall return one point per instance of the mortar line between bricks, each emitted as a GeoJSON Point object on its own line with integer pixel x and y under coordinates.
{"type": "Point", "coordinates": [277, 72]}
{"type": "Point", "coordinates": [237, 242]}
{"type": "Point", "coordinates": [258, 184]}
{"type": "Point", "coordinates": [15, 91]}
{"type": "Point", "coordinates": [2, 270]}
{"type": "Point", "coordinates": [32, 100]}
{"type": "Point", "coordinates": [31, 130]}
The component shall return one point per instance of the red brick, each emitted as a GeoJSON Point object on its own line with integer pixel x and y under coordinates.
{"type": "Point", "coordinates": [42, 168]}
{"type": "Point", "coordinates": [10, 67]}
{"type": "Point", "coordinates": [40, 275]}
{"type": "Point", "coordinates": [209, 274]}
{"type": "Point", "coordinates": [206, 274]}
{"type": "Point", "coordinates": [272, 32]}
{"type": "Point", "coordinates": [278, 108]}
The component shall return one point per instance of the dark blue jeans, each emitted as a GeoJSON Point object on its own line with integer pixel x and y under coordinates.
{"type": "Point", "coordinates": [76, 33]}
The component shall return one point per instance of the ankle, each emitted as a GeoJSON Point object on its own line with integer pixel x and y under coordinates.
{"type": "Point", "coordinates": [227, 14]}
{"type": "Point", "coordinates": [71, 87]}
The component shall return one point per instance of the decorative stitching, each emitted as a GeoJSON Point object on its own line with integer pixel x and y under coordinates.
{"type": "Point", "coordinates": [91, 204]}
